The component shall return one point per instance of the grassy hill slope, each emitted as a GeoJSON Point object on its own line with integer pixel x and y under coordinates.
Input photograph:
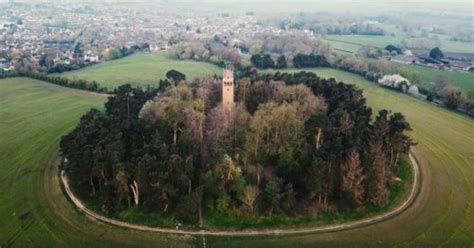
{"type": "Point", "coordinates": [141, 69]}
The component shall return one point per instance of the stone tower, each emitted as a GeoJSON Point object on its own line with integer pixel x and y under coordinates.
{"type": "Point", "coordinates": [228, 87]}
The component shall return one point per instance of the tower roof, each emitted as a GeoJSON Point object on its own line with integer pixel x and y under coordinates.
{"type": "Point", "coordinates": [228, 72]}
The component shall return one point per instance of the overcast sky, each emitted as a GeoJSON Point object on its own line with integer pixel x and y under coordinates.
{"type": "Point", "coordinates": [310, 5]}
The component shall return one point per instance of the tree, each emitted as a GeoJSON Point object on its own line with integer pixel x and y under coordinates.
{"type": "Point", "coordinates": [288, 198]}
{"type": "Point", "coordinates": [272, 194]}
{"type": "Point", "coordinates": [227, 128]}
{"type": "Point", "coordinates": [267, 61]}
{"type": "Point", "coordinates": [379, 172]}
{"type": "Point", "coordinates": [227, 170]}
{"type": "Point", "coordinates": [318, 181]}
{"type": "Point", "coordinates": [260, 92]}
{"type": "Point", "coordinates": [194, 118]}
{"type": "Point", "coordinates": [170, 108]}
{"type": "Point", "coordinates": [311, 60]}
{"type": "Point", "coordinates": [176, 76]}
{"type": "Point", "coordinates": [318, 123]}
{"type": "Point", "coordinates": [436, 53]}
{"type": "Point", "coordinates": [392, 48]}
{"type": "Point", "coordinates": [249, 196]}
{"type": "Point", "coordinates": [452, 96]}
{"type": "Point", "coordinates": [369, 52]}
{"type": "Point", "coordinates": [275, 128]}
{"type": "Point", "coordinates": [281, 62]}
{"type": "Point", "coordinates": [301, 95]}
{"type": "Point", "coordinates": [244, 86]}
{"type": "Point", "coordinates": [123, 189]}
{"type": "Point", "coordinates": [187, 209]}
{"type": "Point", "coordinates": [257, 61]}
{"type": "Point", "coordinates": [352, 182]}
{"type": "Point", "coordinates": [309, 143]}
{"type": "Point", "coordinates": [255, 171]}
{"type": "Point", "coordinates": [398, 141]}
{"type": "Point", "coordinates": [378, 192]}
{"type": "Point", "coordinates": [262, 61]}
{"type": "Point", "coordinates": [146, 181]}
{"type": "Point", "coordinates": [470, 94]}
{"type": "Point", "coordinates": [114, 54]}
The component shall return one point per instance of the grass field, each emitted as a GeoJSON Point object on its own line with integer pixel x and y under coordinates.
{"type": "Point", "coordinates": [463, 80]}
{"type": "Point", "coordinates": [34, 212]}
{"type": "Point", "coordinates": [350, 44]}
{"type": "Point", "coordinates": [141, 70]}
{"type": "Point", "coordinates": [353, 43]}
{"type": "Point", "coordinates": [394, 36]}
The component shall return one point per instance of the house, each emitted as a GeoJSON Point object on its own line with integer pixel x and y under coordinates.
{"type": "Point", "coordinates": [91, 58]}
{"type": "Point", "coordinates": [6, 68]}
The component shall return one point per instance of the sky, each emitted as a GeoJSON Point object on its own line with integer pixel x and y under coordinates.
{"type": "Point", "coordinates": [308, 5]}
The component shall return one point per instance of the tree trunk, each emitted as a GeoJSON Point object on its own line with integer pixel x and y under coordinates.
{"type": "Point", "coordinates": [134, 187]}
{"type": "Point", "coordinates": [189, 186]}
{"type": "Point", "coordinates": [200, 215]}
{"type": "Point", "coordinates": [201, 132]}
{"type": "Point", "coordinates": [256, 147]}
{"type": "Point", "coordinates": [391, 158]}
{"type": "Point", "coordinates": [396, 159]}
{"type": "Point", "coordinates": [175, 136]}
{"type": "Point", "coordinates": [100, 184]}
{"type": "Point", "coordinates": [92, 184]}
{"type": "Point", "coordinates": [318, 139]}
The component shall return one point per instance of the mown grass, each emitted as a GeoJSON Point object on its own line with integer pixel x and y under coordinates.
{"type": "Point", "coordinates": [33, 210]}
{"type": "Point", "coordinates": [141, 69]}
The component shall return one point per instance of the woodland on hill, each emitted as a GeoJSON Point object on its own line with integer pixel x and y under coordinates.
{"type": "Point", "coordinates": [292, 144]}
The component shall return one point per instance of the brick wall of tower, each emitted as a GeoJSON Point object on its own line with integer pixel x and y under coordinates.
{"type": "Point", "coordinates": [228, 88]}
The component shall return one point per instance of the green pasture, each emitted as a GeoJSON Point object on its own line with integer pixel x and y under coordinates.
{"type": "Point", "coordinates": [345, 44]}
{"type": "Point", "coordinates": [141, 69]}
{"type": "Point", "coordinates": [463, 80]}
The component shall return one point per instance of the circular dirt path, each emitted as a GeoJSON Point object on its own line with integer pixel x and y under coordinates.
{"type": "Point", "coordinates": [264, 232]}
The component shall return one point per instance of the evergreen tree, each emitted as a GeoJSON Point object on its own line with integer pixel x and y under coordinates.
{"type": "Point", "coordinates": [281, 62]}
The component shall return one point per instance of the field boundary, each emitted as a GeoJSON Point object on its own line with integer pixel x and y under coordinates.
{"type": "Point", "coordinates": [415, 189]}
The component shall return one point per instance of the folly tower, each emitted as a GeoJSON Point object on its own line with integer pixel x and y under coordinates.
{"type": "Point", "coordinates": [228, 87]}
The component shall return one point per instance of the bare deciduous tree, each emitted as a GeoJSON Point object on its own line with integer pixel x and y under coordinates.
{"type": "Point", "coordinates": [353, 177]}
{"type": "Point", "coordinates": [249, 196]}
